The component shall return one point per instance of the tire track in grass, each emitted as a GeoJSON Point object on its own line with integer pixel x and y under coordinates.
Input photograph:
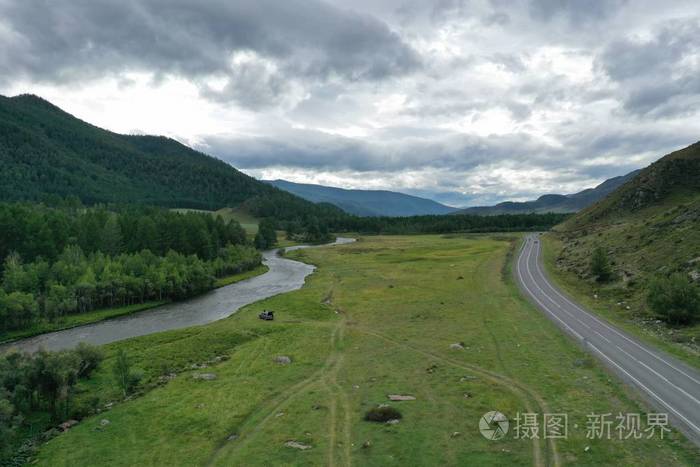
{"type": "Point", "coordinates": [522, 392]}
{"type": "Point", "coordinates": [253, 423]}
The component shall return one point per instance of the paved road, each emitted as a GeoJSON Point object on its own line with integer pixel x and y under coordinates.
{"type": "Point", "coordinates": [284, 275]}
{"type": "Point", "coordinates": [669, 385]}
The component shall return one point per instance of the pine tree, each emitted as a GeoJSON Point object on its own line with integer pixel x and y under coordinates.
{"type": "Point", "coordinates": [600, 265]}
{"type": "Point", "coordinates": [111, 239]}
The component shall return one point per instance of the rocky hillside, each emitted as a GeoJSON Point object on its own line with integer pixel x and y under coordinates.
{"type": "Point", "coordinates": [649, 226]}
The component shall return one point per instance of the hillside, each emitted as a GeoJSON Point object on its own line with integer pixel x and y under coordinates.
{"type": "Point", "coordinates": [553, 202]}
{"type": "Point", "coordinates": [365, 202]}
{"type": "Point", "coordinates": [649, 226]}
{"type": "Point", "coordinates": [46, 152]}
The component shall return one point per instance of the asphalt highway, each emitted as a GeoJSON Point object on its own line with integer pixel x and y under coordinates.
{"type": "Point", "coordinates": [671, 386]}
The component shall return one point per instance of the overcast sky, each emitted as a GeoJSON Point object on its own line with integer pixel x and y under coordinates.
{"type": "Point", "coordinates": [465, 101]}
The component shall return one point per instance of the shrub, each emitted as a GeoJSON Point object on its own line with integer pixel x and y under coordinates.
{"type": "Point", "coordinates": [674, 299]}
{"type": "Point", "coordinates": [382, 414]}
{"type": "Point", "coordinates": [90, 358]}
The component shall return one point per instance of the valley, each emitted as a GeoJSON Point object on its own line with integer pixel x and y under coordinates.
{"type": "Point", "coordinates": [434, 317]}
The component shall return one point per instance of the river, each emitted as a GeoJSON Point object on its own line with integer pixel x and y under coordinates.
{"type": "Point", "coordinates": [283, 276]}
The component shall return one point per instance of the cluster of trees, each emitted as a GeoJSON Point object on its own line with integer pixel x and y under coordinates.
{"type": "Point", "coordinates": [266, 237]}
{"type": "Point", "coordinates": [40, 383]}
{"type": "Point", "coordinates": [35, 230]}
{"type": "Point", "coordinates": [77, 283]}
{"type": "Point", "coordinates": [72, 259]}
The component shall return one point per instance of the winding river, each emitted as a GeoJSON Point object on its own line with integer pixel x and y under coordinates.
{"type": "Point", "coordinates": [283, 276]}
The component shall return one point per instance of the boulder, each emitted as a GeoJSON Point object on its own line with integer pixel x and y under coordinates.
{"type": "Point", "coordinates": [204, 376]}
{"type": "Point", "coordinates": [297, 445]}
{"type": "Point", "coordinates": [65, 426]}
{"type": "Point", "coordinates": [282, 360]}
{"type": "Point", "coordinates": [400, 397]}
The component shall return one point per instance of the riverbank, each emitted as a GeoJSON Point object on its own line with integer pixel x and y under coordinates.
{"type": "Point", "coordinates": [73, 321]}
{"type": "Point", "coordinates": [283, 275]}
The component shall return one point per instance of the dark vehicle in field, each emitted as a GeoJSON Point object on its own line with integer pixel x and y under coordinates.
{"type": "Point", "coordinates": [267, 315]}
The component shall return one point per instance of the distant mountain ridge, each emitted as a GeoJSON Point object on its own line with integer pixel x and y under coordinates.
{"type": "Point", "coordinates": [554, 202]}
{"type": "Point", "coordinates": [365, 202]}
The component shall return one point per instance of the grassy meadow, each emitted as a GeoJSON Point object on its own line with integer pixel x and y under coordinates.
{"type": "Point", "coordinates": [378, 317]}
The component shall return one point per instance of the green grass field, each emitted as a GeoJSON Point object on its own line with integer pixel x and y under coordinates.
{"type": "Point", "coordinates": [377, 318]}
{"type": "Point", "coordinates": [247, 221]}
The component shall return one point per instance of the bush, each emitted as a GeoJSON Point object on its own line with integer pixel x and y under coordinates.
{"type": "Point", "coordinates": [90, 358]}
{"type": "Point", "coordinates": [674, 299]}
{"type": "Point", "coordinates": [382, 414]}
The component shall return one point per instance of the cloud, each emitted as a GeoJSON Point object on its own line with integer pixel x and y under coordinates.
{"type": "Point", "coordinates": [74, 40]}
{"type": "Point", "coordinates": [576, 12]}
{"type": "Point", "coordinates": [657, 75]}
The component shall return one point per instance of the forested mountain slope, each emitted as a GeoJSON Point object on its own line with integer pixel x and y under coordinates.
{"type": "Point", "coordinates": [45, 152]}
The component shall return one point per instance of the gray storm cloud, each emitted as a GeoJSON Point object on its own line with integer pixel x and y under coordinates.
{"type": "Point", "coordinates": [74, 40]}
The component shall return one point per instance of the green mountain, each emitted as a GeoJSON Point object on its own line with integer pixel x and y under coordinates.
{"type": "Point", "coordinates": [365, 202]}
{"type": "Point", "coordinates": [649, 226]}
{"type": "Point", "coordinates": [553, 203]}
{"type": "Point", "coordinates": [46, 152]}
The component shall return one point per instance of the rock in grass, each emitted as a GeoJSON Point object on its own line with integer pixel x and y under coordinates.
{"type": "Point", "coordinates": [297, 445]}
{"type": "Point", "coordinates": [104, 422]}
{"type": "Point", "coordinates": [65, 426]}
{"type": "Point", "coordinates": [204, 376]}
{"type": "Point", "coordinates": [400, 397]}
{"type": "Point", "coordinates": [283, 360]}
{"type": "Point", "coordinates": [456, 346]}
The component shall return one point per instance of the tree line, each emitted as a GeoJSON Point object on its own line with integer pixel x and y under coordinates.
{"type": "Point", "coordinates": [60, 261]}
{"type": "Point", "coordinates": [36, 230]}
{"type": "Point", "coordinates": [317, 227]}
{"type": "Point", "coordinates": [78, 283]}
